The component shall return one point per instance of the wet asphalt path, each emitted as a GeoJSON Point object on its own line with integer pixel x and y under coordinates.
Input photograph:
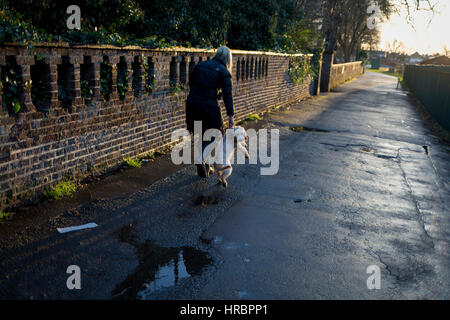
{"type": "Point", "coordinates": [372, 188]}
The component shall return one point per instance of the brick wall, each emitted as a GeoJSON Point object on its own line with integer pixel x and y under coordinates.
{"type": "Point", "coordinates": [63, 130]}
{"type": "Point", "coordinates": [345, 71]}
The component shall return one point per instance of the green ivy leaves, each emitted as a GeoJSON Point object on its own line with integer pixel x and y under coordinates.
{"type": "Point", "coordinates": [105, 80]}
{"type": "Point", "coordinates": [11, 85]}
{"type": "Point", "coordinates": [300, 69]}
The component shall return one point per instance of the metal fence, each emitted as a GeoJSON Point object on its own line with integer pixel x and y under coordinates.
{"type": "Point", "coordinates": [431, 85]}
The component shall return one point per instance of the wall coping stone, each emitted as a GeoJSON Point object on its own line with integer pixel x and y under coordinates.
{"type": "Point", "coordinates": [138, 48]}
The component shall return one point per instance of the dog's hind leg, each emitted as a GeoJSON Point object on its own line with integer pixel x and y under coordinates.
{"type": "Point", "coordinates": [225, 174]}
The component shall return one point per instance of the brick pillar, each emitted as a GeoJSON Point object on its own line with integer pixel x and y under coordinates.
{"type": "Point", "coordinates": [191, 61]}
{"type": "Point", "coordinates": [184, 73]}
{"type": "Point", "coordinates": [2, 64]}
{"type": "Point", "coordinates": [327, 62]}
{"type": "Point", "coordinates": [96, 94]}
{"type": "Point", "coordinates": [177, 69]}
{"type": "Point", "coordinates": [76, 94]}
{"type": "Point", "coordinates": [142, 59]}
{"type": "Point", "coordinates": [129, 59]}
{"type": "Point", "coordinates": [5, 120]}
{"type": "Point", "coordinates": [114, 61]}
{"type": "Point", "coordinates": [53, 62]}
{"type": "Point", "coordinates": [25, 63]}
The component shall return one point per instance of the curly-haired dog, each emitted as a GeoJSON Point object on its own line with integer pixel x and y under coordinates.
{"type": "Point", "coordinates": [228, 144]}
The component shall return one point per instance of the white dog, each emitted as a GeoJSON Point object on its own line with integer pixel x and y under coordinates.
{"type": "Point", "coordinates": [222, 165]}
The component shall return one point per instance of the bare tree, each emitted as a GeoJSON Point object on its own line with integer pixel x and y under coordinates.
{"type": "Point", "coordinates": [353, 27]}
{"type": "Point", "coordinates": [345, 21]}
{"type": "Point", "coordinates": [396, 47]}
{"type": "Point", "coordinates": [337, 13]}
{"type": "Point", "coordinates": [445, 50]}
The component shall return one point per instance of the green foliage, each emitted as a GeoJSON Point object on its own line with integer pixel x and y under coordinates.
{"type": "Point", "coordinates": [150, 84]}
{"type": "Point", "coordinates": [105, 79]}
{"type": "Point", "coordinates": [11, 87]}
{"type": "Point", "coordinates": [86, 91]}
{"type": "Point", "coordinates": [151, 155]}
{"type": "Point", "coordinates": [133, 162]}
{"type": "Point", "coordinates": [300, 69]}
{"type": "Point", "coordinates": [362, 56]}
{"type": "Point", "coordinates": [241, 24]}
{"type": "Point", "coordinates": [122, 82]}
{"type": "Point", "coordinates": [253, 117]}
{"type": "Point", "coordinates": [62, 189]}
{"type": "Point", "coordinates": [5, 215]}
{"type": "Point", "coordinates": [150, 81]}
{"type": "Point", "coordinates": [202, 23]}
{"type": "Point", "coordinates": [176, 89]}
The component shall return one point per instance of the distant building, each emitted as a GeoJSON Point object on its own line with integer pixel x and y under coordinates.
{"type": "Point", "coordinates": [414, 58]}
{"type": "Point", "coordinates": [442, 60]}
{"type": "Point", "coordinates": [376, 54]}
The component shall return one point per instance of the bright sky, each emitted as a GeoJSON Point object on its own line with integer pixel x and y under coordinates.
{"type": "Point", "coordinates": [428, 37]}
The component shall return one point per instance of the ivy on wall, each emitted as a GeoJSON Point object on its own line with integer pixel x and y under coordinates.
{"type": "Point", "coordinates": [106, 79]}
{"type": "Point", "coordinates": [11, 87]}
{"type": "Point", "coordinates": [122, 80]}
{"type": "Point", "coordinates": [300, 69]}
{"type": "Point", "coordinates": [149, 75]}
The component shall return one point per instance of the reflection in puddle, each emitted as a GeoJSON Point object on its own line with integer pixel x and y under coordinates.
{"type": "Point", "coordinates": [158, 268]}
{"type": "Point", "coordinates": [166, 276]}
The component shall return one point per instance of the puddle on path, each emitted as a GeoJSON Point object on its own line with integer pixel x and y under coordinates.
{"type": "Point", "coordinates": [300, 129]}
{"type": "Point", "coordinates": [301, 200]}
{"type": "Point", "coordinates": [159, 267]}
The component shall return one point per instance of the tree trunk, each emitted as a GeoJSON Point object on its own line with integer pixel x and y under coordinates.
{"type": "Point", "coordinates": [330, 23]}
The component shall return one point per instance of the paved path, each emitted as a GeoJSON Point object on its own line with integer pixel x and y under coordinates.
{"type": "Point", "coordinates": [372, 188]}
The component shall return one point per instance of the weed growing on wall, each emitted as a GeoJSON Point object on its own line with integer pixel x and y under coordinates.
{"type": "Point", "coordinates": [62, 189]}
{"type": "Point", "coordinates": [133, 162]}
{"type": "Point", "coordinates": [253, 117]}
{"type": "Point", "coordinates": [176, 90]}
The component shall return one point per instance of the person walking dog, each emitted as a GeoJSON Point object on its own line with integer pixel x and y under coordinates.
{"type": "Point", "coordinates": [206, 81]}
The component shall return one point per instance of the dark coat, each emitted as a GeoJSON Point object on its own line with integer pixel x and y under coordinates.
{"type": "Point", "coordinates": [202, 103]}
